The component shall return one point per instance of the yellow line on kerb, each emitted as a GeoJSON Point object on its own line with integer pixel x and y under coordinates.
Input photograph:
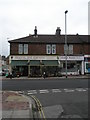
{"type": "Point", "coordinates": [39, 105]}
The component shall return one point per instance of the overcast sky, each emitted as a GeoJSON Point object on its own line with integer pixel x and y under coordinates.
{"type": "Point", "coordinates": [19, 17]}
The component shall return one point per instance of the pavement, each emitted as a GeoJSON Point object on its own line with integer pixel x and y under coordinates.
{"type": "Point", "coordinates": [36, 78]}
{"type": "Point", "coordinates": [15, 105]}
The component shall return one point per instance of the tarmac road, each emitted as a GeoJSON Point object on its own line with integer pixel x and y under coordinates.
{"type": "Point", "coordinates": [30, 84]}
{"type": "Point", "coordinates": [70, 94]}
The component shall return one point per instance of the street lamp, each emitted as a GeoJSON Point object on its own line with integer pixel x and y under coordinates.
{"type": "Point", "coordinates": [66, 47]}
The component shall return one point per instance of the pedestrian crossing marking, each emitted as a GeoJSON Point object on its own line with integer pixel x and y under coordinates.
{"type": "Point", "coordinates": [45, 91]}
{"type": "Point", "coordinates": [80, 89]}
{"type": "Point", "coordinates": [30, 92]}
{"type": "Point", "coordinates": [56, 90]}
{"type": "Point", "coordinates": [69, 90]}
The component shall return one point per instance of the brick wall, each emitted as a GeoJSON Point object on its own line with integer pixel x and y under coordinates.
{"type": "Point", "coordinates": [40, 49]}
{"type": "Point", "coordinates": [13, 48]}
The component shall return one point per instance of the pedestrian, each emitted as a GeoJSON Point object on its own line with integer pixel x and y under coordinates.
{"type": "Point", "coordinates": [10, 75]}
{"type": "Point", "coordinates": [44, 74]}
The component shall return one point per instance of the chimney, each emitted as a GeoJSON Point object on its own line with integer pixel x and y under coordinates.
{"type": "Point", "coordinates": [35, 31]}
{"type": "Point", "coordinates": [58, 31]}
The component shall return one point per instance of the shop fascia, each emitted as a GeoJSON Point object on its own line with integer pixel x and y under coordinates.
{"type": "Point", "coordinates": [61, 58]}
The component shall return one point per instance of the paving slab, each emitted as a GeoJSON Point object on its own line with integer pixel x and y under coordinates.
{"type": "Point", "coordinates": [53, 111]}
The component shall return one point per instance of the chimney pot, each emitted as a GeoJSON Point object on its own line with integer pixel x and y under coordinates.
{"type": "Point", "coordinates": [58, 31]}
{"type": "Point", "coordinates": [35, 31]}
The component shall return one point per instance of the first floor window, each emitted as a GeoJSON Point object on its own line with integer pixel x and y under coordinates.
{"type": "Point", "coordinates": [53, 49]}
{"type": "Point", "coordinates": [48, 49]}
{"type": "Point", "coordinates": [70, 49]}
{"type": "Point", "coordinates": [25, 48]}
{"type": "Point", "coordinates": [20, 48]}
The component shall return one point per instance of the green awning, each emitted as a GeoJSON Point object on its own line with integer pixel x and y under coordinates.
{"type": "Point", "coordinates": [34, 63]}
{"type": "Point", "coordinates": [19, 63]}
{"type": "Point", "coordinates": [50, 62]}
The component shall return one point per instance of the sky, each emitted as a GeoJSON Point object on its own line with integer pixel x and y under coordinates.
{"type": "Point", "coordinates": [18, 18]}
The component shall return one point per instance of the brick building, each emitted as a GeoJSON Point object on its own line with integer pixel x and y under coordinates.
{"type": "Point", "coordinates": [34, 54]}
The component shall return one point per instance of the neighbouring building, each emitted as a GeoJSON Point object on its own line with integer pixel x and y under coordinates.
{"type": "Point", "coordinates": [34, 54]}
{"type": "Point", "coordinates": [3, 64]}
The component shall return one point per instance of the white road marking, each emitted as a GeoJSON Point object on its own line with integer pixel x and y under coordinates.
{"type": "Point", "coordinates": [30, 92]}
{"type": "Point", "coordinates": [56, 90]}
{"type": "Point", "coordinates": [44, 91]}
{"type": "Point", "coordinates": [20, 92]}
{"type": "Point", "coordinates": [69, 90]}
{"type": "Point", "coordinates": [80, 89]}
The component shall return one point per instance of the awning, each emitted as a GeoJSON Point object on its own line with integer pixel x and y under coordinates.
{"type": "Point", "coordinates": [19, 63]}
{"type": "Point", "coordinates": [34, 63]}
{"type": "Point", "coordinates": [50, 62]}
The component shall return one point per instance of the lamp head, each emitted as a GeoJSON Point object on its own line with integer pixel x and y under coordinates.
{"type": "Point", "coordinates": [66, 11]}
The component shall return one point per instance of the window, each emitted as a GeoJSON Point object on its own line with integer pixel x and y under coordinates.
{"type": "Point", "coordinates": [48, 49]}
{"type": "Point", "coordinates": [23, 48]}
{"type": "Point", "coordinates": [20, 48]}
{"type": "Point", "coordinates": [53, 49]}
{"type": "Point", "coordinates": [65, 49]}
{"type": "Point", "coordinates": [70, 49]}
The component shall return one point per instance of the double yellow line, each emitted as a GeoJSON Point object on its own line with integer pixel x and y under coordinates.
{"type": "Point", "coordinates": [41, 113]}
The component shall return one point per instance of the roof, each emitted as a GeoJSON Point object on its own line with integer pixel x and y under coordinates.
{"type": "Point", "coordinates": [53, 39]}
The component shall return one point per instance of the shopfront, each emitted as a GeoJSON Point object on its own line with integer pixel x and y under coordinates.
{"type": "Point", "coordinates": [51, 65]}
{"type": "Point", "coordinates": [87, 64]}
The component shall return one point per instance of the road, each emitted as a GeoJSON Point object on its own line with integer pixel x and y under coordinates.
{"type": "Point", "coordinates": [27, 84]}
{"type": "Point", "coordinates": [71, 94]}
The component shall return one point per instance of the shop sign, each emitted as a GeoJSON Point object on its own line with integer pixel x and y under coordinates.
{"type": "Point", "coordinates": [33, 57]}
{"type": "Point", "coordinates": [78, 58]}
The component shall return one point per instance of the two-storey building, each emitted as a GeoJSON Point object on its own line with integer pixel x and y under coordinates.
{"type": "Point", "coordinates": [34, 54]}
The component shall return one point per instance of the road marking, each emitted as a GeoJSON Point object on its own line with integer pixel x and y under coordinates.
{"type": "Point", "coordinates": [80, 89]}
{"type": "Point", "coordinates": [20, 92]}
{"type": "Point", "coordinates": [44, 91]}
{"type": "Point", "coordinates": [69, 90]}
{"type": "Point", "coordinates": [30, 92]}
{"type": "Point", "coordinates": [40, 109]}
{"type": "Point", "coordinates": [56, 90]}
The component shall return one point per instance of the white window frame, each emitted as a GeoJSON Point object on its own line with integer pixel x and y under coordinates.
{"type": "Point", "coordinates": [20, 48]}
{"type": "Point", "coordinates": [53, 49]}
{"type": "Point", "coordinates": [70, 49]}
{"type": "Point", "coordinates": [25, 48]}
{"type": "Point", "coordinates": [48, 49]}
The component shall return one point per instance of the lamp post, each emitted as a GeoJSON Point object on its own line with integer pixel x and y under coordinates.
{"type": "Point", "coordinates": [66, 47]}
